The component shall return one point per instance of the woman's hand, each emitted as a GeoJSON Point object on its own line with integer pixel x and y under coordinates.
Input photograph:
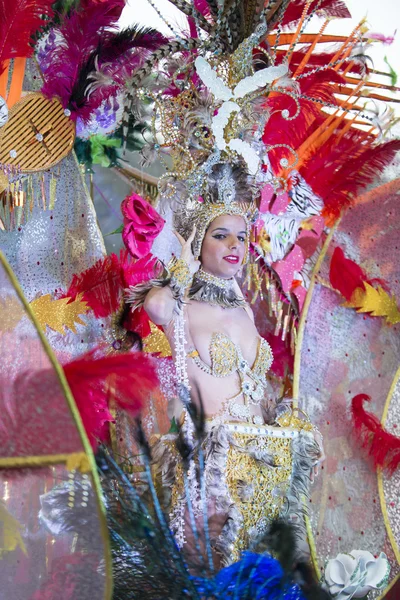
{"type": "Point", "coordinates": [186, 252]}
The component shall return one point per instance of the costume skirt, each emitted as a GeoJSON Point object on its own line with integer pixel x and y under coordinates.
{"type": "Point", "coordinates": [250, 475]}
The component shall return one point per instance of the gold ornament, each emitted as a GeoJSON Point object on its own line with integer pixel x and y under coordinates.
{"type": "Point", "coordinates": [156, 342]}
{"type": "Point", "coordinates": [59, 314]}
{"type": "Point", "coordinates": [37, 134]}
{"type": "Point", "coordinates": [375, 301]}
{"type": "Point", "coordinates": [10, 536]}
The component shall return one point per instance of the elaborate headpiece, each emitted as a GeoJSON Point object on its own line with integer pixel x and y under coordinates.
{"type": "Point", "coordinates": [225, 190]}
{"type": "Point", "coordinates": [208, 122]}
{"type": "Point", "coordinates": [250, 90]}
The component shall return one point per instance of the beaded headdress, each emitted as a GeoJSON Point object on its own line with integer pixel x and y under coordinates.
{"type": "Point", "coordinates": [225, 190]}
{"type": "Point", "coordinates": [208, 122]}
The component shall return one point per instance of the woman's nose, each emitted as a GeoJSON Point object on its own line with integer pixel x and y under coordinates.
{"type": "Point", "coordinates": [233, 243]}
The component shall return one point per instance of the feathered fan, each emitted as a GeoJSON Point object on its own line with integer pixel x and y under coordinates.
{"type": "Point", "coordinates": [92, 60]}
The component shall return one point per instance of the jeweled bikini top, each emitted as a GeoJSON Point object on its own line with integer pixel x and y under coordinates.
{"type": "Point", "coordinates": [226, 359]}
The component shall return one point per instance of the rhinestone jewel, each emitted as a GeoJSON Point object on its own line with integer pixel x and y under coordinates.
{"type": "Point", "coordinates": [39, 137]}
{"type": "Point", "coordinates": [13, 153]}
{"type": "Point", "coordinates": [246, 387]}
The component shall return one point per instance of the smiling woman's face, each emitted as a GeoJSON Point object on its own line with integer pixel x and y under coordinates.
{"type": "Point", "coordinates": [224, 246]}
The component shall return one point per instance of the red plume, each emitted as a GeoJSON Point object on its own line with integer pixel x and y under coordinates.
{"type": "Point", "coordinates": [101, 286]}
{"type": "Point", "coordinates": [331, 8]}
{"type": "Point", "coordinates": [19, 20]}
{"type": "Point", "coordinates": [128, 379]}
{"type": "Point", "coordinates": [338, 172]}
{"type": "Point", "coordinates": [345, 275]}
{"type": "Point", "coordinates": [382, 446]}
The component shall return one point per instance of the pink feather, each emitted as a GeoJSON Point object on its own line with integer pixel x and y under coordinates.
{"type": "Point", "coordinates": [80, 35]}
{"type": "Point", "coordinates": [92, 60]}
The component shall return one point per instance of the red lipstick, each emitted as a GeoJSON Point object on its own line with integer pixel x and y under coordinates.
{"type": "Point", "coordinates": [231, 258]}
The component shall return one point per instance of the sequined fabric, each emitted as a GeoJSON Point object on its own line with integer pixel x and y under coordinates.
{"type": "Point", "coordinates": [40, 448]}
{"type": "Point", "coordinates": [390, 485]}
{"type": "Point", "coordinates": [45, 252]}
{"type": "Point", "coordinates": [344, 354]}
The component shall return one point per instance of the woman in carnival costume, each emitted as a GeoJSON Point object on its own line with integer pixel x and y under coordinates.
{"type": "Point", "coordinates": [258, 465]}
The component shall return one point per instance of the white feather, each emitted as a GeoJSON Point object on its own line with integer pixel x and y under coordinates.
{"type": "Point", "coordinates": [259, 79]}
{"type": "Point", "coordinates": [249, 155]}
{"type": "Point", "coordinates": [220, 121]}
{"type": "Point", "coordinates": [210, 79]}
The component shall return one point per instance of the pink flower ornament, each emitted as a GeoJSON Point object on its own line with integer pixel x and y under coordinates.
{"type": "Point", "coordinates": [142, 224]}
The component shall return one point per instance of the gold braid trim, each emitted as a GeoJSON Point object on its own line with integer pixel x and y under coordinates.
{"type": "Point", "coordinates": [73, 461]}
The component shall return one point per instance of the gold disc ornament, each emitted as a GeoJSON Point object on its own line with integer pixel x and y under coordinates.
{"type": "Point", "coordinates": [37, 135]}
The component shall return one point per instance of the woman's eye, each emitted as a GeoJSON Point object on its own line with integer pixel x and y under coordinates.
{"type": "Point", "coordinates": [219, 236]}
{"type": "Point", "coordinates": [241, 238]}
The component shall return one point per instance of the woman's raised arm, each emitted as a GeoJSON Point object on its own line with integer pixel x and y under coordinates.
{"type": "Point", "coordinates": [160, 303]}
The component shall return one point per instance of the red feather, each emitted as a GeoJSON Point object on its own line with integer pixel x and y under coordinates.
{"type": "Point", "coordinates": [127, 379]}
{"type": "Point", "coordinates": [345, 275]}
{"type": "Point", "coordinates": [346, 170]}
{"type": "Point", "coordinates": [101, 286]}
{"type": "Point", "coordinates": [19, 20]}
{"type": "Point", "coordinates": [330, 8]}
{"type": "Point", "coordinates": [382, 446]}
{"type": "Point", "coordinates": [294, 132]}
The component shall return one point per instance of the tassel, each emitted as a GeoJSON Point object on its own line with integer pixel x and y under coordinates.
{"type": "Point", "coordinates": [32, 194]}
{"type": "Point", "coordinates": [293, 337]}
{"type": "Point", "coordinates": [52, 191]}
{"type": "Point", "coordinates": [286, 322]}
{"type": "Point", "coordinates": [268, 290]}
{"type": "Point", "coordinates": [279, 317]}
{"type": "Point", "coordinates": [43, 191]}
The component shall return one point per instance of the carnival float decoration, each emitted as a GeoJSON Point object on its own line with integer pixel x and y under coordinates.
{"type": "Point", "coordinates": [312, 121]}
